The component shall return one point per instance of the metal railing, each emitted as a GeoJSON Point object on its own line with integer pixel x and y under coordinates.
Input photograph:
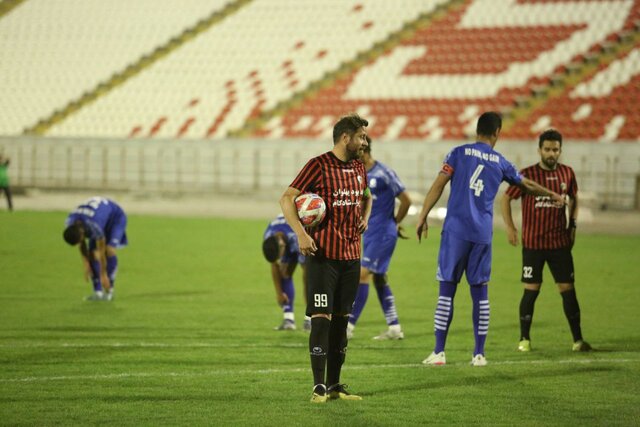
{"type": "Point", "coordinates": [607, 172]}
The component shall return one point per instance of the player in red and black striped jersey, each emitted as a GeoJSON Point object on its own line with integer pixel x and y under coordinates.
{"type": "Point", "coordinates": [547, 236]}
{"type": "Point", "coordinates": [332, 249]}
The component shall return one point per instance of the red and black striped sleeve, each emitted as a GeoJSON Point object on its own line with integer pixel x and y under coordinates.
{"type": "Point", "coordinates": [308, 177]}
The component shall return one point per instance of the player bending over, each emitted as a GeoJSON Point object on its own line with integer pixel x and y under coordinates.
{"type": "Point", "coordinates": [280, 249]}
{"type": "Point", "coordinates": [98, 226]}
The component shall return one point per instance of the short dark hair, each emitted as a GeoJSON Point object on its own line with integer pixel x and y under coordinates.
{"type": "Point", "coordinates": [348, 124]}
{"type": "Point", "coordinates": [367, 149]}
{"type": "Point", "coordinates": [271, 248]}
{"type": "Point", "coordinates": [550, 135]}
{"type": "Point", "coordinates": [72, 234]}
{"type": "Point", "coordinates": [489, 123]}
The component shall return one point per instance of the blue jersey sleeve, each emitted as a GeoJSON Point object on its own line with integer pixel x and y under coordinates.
{"type": "Point", "coordinates": [292, 243]}
{"type": "Point", "coordinates": [450, 162]}
{"type": "Point", "coordinates": [94, 231]}
{"type": "Point", "coordinates": [510, 173]}
{"type": "Point", "coordinates": [394, 183]}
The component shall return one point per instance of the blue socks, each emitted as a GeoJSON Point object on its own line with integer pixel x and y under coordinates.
{"type": "Point", "coordinates": [444, 314]}
{"type": "Point", "coordinates": [289, 290]}
{"type": "Point", "coordinates": [387, 302]}
{"type": "Point", "coordinates": [112, 268]}
{"type": "Point", "coordinates": [480, 298]}
{"type": "Point", "coordinates": [358, 305]}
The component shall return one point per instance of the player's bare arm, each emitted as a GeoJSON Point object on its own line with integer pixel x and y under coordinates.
{"type": "Point", "coordinates": [287, 203]}
{"type": "Point", "coordinates": [101, 255]}
{"type": "Point", "coordinates": [86, 260]}
{"type": "Point", "coordinates": [532, 187]}
{"type": "Point", "coordinates": [507, 217]}
{"type": "Point", "coordinates": [430, 200]}
{"type": "Point", "coordinates": [403, 209]}
{"type": "Point", "coordinates": [276, 275]}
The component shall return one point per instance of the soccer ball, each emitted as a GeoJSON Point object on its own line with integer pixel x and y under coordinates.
{"type": "Point", "coordinates": [311, 209]}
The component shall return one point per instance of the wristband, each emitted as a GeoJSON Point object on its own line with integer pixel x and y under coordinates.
{"type": "Point", "coordinates": [572, 223]}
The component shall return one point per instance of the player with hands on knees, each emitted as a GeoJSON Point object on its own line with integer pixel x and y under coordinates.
{"type": "Point", "coordinates": [280, 249]}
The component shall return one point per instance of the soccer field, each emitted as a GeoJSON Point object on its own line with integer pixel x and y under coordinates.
{"type": "Point", "coordinates": [189, 339]}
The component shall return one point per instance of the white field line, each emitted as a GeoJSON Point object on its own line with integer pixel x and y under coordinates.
{"type": "Point", "coordinates": [152, 345]}
{"type": "Point", "coordinates": [225, 372]}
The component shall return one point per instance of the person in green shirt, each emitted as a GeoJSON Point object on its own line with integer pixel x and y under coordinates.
{"type": "Point", "coordinates": [4, 179]}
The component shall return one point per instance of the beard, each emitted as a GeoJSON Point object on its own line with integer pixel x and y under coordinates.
{"type": "Point", "coordinates": [355, 153]}
{"type": "Point", "coordinates": [550, 162]}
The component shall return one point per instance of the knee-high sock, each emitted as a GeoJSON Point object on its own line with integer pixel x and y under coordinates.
{"type": "Point", "coordinates": [387, 302]}
{"type": "Point", "coordinates": [444, 314]}
{"type": "Point", "coordinates": [318, 347]}
{"type": "Point", "coordinates": [337, 348]}
{"type": "Point", "coordinates": [359, 303]}
{"type": "Point", "coordinates": [480, 298]}
{"type": "Point", "coordinates": [572, 311]}
{"type": "Point", "coordinates": [112, 269]}
{"type": "Point", "coordinates": [527, 304]}
{"type": "Point", "coordinates": [95, 278]}
{"type": "Point", "coordinates": [289, 290]}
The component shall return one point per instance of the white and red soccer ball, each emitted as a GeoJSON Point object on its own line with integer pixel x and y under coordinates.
{"type": "Point", "coordinates": [311, 209]}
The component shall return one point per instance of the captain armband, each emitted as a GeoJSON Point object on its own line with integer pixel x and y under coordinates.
{"type": "Point", "coordinates": [447, 169]}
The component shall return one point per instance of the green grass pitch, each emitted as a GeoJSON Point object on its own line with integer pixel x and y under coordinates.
{"type": "Point", "coordinates": [190, 340]}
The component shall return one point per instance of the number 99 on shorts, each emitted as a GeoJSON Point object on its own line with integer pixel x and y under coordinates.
{"type": "Point", "coordinates": [320, 300]}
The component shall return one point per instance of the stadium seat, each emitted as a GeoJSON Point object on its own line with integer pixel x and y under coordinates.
{"type": "Point", "coordinates": [269, 53]}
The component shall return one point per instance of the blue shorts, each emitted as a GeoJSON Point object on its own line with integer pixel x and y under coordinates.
{"type": "Point", "coordinates": [458, 256]}
{"type": "Point", "coordinates": [377, 252]}
{"type": "Point", "coordinates": [115, 234]}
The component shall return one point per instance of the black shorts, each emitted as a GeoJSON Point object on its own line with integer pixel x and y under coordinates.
{"type": "Point", "coordinates": [560, 263]}
{"type": "Point", "coordinates": [332, 285]}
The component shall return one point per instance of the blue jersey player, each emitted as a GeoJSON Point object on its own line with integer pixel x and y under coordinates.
{"type": "Point", "coordinates": [475, 171]}
{"type": "Point", "coordinates": [280, 249]}
{"type": "Point", "coordinates": [379, 242]}
{"type": "Point", "coordinates": [98, 226]}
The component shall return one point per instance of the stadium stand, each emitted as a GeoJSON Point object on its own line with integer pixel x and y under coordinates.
{"type": "Point", "coordinates": [250, 61]}
{"type": "Point", "coordinates": [277, 69]}
{"type": "Point", "coordinates": [52, 52]}
{"type": "Point", "coordinates": [600, 108]}
{"type": "Point", "coordinates": [433, 85]}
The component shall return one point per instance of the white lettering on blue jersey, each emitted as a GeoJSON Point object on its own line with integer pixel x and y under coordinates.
{"type": "Point", "coordinates": [95, 213]}
{"type": "Point", "coordinates": [478, 171]}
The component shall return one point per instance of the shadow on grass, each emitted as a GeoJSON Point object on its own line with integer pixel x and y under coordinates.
{"type": "Point", "coordinates": [495, 379]}
{"type": "Point", "coordinates": [623, 344]}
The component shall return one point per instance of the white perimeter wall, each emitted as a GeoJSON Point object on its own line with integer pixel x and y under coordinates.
{"type": "Point", "coordinates": [607, 174]}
